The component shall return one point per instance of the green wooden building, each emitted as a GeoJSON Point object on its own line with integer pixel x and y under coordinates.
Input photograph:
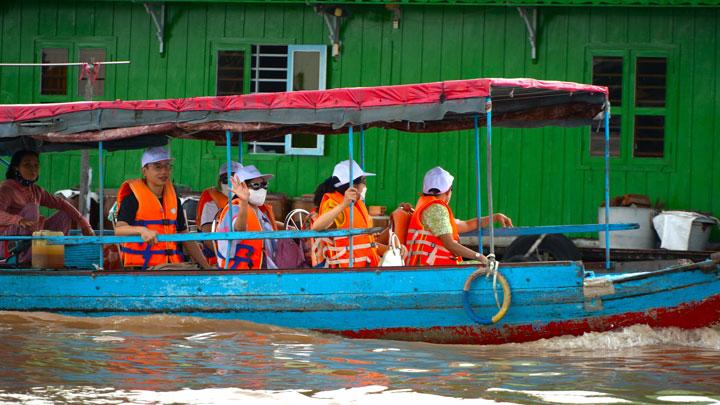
{"type": "Point", "coordinates": [660, 58]}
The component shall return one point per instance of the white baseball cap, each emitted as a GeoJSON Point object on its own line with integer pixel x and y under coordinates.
{"type": "Point", "coordinates": [234, 167]}
{"type": "Point", "coordinates": [342, 172]}
{"type": "Point", "coordinates": [250, 172]}
{"type": "Point", "coordinates": [439, 179]}
{"type": "Point", "coordinates": [155, 154]}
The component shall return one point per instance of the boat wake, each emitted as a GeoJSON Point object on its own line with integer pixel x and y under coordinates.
{"type": "Point", "coordinates": [635, 336]}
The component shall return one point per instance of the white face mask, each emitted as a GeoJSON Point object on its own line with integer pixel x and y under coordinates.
{"type": "Point", "coordinates": [225, 189]}
{"type": "Point", "coordinates": [362, 194]}
{"type": "Point", "coordinates": [257, 197]}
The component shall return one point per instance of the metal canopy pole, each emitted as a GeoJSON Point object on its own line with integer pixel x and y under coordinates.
{"type": "Point", "coordinates": [478, 184]}
{"type": "Point", "coordinates": [101, 199]}
{"type": "Point", "coordinates": [607, 186]}
{"type": "Point", "coordinates": [240, 150]}
{"type": "Point", "coordinates": [488, 159]}
{"type": "Point", "coordinates": [228, 137]}
{"type": "Point", "coordinates": [350, 184]}
{"type": "Point", "coordinates": [362, 148]}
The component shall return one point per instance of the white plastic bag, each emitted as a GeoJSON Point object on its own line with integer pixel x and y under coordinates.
{"type": "Point", "coordinates": [393, 256]}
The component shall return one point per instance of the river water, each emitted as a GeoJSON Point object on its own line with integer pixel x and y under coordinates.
{"type": "Point", "coordinates": [46, 358]}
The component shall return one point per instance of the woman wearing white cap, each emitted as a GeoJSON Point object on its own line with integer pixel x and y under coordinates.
{"type": "Point", "coordinates": [334, 198]}
{"type": "Point", "coordinates": [149, 207]}
{"type": "Point", "coordinates": [249, 214]}
{"type": "Point", "coordinates": [433, 233]}
{"type": "Point", "coordinates": [212, 200]}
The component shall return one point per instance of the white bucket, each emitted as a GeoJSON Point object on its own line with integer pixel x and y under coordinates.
{"type": "Point", "coordinates": [642, 238]}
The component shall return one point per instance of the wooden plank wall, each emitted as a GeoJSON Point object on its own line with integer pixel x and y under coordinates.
{"type": "Point", "coordinates": [540, 176]}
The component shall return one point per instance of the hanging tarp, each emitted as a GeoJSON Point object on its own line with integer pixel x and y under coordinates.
{"type": "Point", "coordinates": [427, 107]}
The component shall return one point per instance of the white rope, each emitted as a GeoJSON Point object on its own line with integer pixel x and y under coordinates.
{"type": "Point", "coordinates": [120, 62]}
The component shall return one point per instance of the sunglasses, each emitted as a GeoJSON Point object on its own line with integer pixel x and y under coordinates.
{"type": "Point", "coordinates": [161, 166]}
{"type": "Point", "coordinates": [257, 186]}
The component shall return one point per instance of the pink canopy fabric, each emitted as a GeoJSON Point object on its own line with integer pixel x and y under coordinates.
{"type": "Point", "coordinates": [425, 107]}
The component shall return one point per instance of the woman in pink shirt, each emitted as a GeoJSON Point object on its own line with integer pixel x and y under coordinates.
{"type": "Point", "coordinates": [22, 198]}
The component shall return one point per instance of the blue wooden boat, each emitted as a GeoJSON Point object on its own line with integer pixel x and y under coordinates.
{"type": "Point", "coordinates": [512, 302]}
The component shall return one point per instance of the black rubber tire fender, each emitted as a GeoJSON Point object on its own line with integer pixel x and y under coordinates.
{"type": "Point", "coordinates": [558, 247]}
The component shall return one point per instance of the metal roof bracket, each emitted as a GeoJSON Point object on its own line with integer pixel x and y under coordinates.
{"type": "Point", "coordinates": [529, 15]}
{"type": "Point", "coordinates": [333, 16]}
{"type": "Point", "coordinates": [157, 12]}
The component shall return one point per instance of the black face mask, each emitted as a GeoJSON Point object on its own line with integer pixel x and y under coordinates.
{"type": "Point", "coordinates": [20, 179]}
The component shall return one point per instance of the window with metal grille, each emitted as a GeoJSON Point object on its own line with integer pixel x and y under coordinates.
{"type": "Point", "coordinates": [650, 101]}
{"type": "Point", "coordinates": [650, 82]}
{"type": "Point", "coordinates": [643, 107]}
{"type": "Point", "coordinates": [230, 73]}
{"type": "Point", "coordinates": [53, 79]}
{"type": "Point", "coordinates": [649, 136]}
{"type": "Point", "coordinates": [277, 68]}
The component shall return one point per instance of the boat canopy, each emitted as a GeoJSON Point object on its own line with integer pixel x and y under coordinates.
{"type": "Point", "coordinates": [420, 108]}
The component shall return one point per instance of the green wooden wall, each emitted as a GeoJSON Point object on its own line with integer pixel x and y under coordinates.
{"type": "Point", "coordinates": [541, 176]}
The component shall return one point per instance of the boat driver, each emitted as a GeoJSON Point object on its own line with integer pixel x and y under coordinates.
{"type": "Point", "coordinates": [434, 233]}
{"type": "Point", "coordinates": [150, 207]}
{"type": "Point", "coordinates": [21, 201]}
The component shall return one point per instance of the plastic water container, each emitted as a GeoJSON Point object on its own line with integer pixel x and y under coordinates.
{"type": "Point", "coordinates": [642, 238]}
{"type": "Point", "coordinates": [45, 255]}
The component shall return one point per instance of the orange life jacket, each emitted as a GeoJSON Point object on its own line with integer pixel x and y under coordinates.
{"type": "Point", "coordinates": [337, 250]}
{"type": "Point", "coordinates": [317, 245]}
{"type": "Point", "coordinates": [210, 194]}
{"type": "Point", "coordinates": [220, 199]}
{"type": "Point", "coordinates": [400, 220]}
{"type": "Point", "coordinates": [247, 254]}
{"type": "Point", "coordinates": [161, 219]}
{"type": "Point", "coordinates": [424, 248]}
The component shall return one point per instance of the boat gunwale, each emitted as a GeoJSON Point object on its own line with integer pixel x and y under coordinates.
{"type": "Point", "coordinates": [278, 272]}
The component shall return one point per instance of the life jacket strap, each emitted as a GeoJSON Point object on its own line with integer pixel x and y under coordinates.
{"type": "Point", "coordinates": [237, 258]}
{"type": "Point", "coordinates": [149, 252]}
{"type": "Point", "coordinates": [144, 222]}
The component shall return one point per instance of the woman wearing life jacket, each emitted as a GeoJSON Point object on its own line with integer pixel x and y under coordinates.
{"type": "Point", "coordinates": [249, 214]}
{"type": "Point", "coordinates": [212, 200]}
{"type": "Point", "coordinates": [22, 198]}
{"type": "Point", "coordinates": [433, 233]}
{"type": "Point", "coordinates": [335, 196]}
{"type": "Point", "coordinates": [149, 207]}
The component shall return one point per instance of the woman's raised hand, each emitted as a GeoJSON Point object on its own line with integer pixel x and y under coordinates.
{"type": "Point", "coordinates": [240, 189]}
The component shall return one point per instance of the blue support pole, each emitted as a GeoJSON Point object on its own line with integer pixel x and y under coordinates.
{"type": "Point", "coordinates": [240, 148]}
{"type": "Point", "coordinates": [350, 184]}
{"type": "Point", "coordinates": [228, 218]}
{"type": "Point", "coordinates": [101, 199]}
{"type": "Point", "coordinates": [478, 196]}
{"type": "Point", "coordinates": [362, 148]}
{"type": "Point", "coordinates": [488, 160]}
{"type": "Point", "coordinates": [607, 186]}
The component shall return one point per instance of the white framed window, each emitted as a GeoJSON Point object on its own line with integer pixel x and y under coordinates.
{"type": "Point", "coordinates": [288, 68]}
